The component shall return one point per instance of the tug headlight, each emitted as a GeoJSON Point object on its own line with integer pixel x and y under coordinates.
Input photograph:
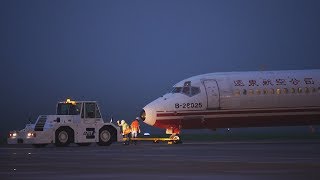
{"type": "Point", "coordinates": [31, 134]}
{"type": "Point", "coordinates": [13, 134]}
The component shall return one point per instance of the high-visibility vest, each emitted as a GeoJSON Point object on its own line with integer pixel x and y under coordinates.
{"type": "Point", "coordinates": [126, 129]}
{"type": "Point", "coordinates": [135, 126]}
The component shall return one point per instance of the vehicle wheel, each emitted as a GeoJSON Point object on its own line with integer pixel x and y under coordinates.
{"type": "Point", "coordinates": [105, 136]}
{"type": "Point", "coordinates": [83, 144]}
{"type": "Point", "coordinates": [39, 145]}
{"type": "Point", "coordinates": [177, 140]}
{"type": "Point", "coordinates": [64, 136]}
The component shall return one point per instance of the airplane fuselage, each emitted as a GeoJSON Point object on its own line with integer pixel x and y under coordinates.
{"type": "Point", "coordinates": [238, 99]}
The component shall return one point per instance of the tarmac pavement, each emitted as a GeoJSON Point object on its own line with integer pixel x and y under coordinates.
{"type": "Point", "coordinates": [294, 159]}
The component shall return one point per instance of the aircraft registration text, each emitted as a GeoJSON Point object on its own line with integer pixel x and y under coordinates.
{"type": "Point", "coordinates": [188, 105]}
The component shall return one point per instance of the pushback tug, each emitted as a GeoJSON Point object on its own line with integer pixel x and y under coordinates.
{"type": "Point", "coordinates": [78, 122]}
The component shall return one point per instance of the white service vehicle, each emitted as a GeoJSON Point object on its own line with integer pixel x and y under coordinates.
{"type": "Point", "coordinates": [77, 122]}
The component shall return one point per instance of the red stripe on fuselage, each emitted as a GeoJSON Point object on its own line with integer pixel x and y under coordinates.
{"type": "Point", "coordinates": [245, 111]}
{"type": "Point", "coordinates": [200, 120]}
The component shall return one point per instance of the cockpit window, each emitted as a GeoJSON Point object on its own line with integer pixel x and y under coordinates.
{"type": "Point", "coordinates": [187, 83]}
{"type": "Point", "coordinates": [195, 90]}
{"type": "Point", "coordinates": [187, 89]}
{"type": "Point", "coordinates": [176, 90]}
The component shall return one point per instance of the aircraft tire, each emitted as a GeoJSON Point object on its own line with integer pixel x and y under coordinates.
{"type": "Point", "coordinates": [177, 140]}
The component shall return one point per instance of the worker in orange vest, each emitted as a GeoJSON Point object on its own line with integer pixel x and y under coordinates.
{"type": "Point", "coordinates": [135, 129]}
{"type": "Point", "coordinates": [125, 131]}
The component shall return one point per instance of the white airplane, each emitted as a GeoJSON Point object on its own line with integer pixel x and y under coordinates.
{"type": "Point", "coordinates": [238, 99]}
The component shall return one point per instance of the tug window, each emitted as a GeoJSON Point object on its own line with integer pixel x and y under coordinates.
{"type": "Point", "coordinates": [68, 109]}
{"type": "Point", "coordinates": [250, 91]}
{"type": "Point", "coordinates": [278, 91]}
{"type": "Point", "coordinates": [285, 90]}
{"type": "Point", "coordinates": [299, 90]}
{"type": "Point", "coordinates": [92, 111]}
{"type": "Point", "coordinates": [313, 90]}
{"type": "Point", "coordinates": [82, 112]}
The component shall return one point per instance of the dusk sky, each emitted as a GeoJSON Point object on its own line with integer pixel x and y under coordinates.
{"type": "Point", "coordinates": [124, 54]}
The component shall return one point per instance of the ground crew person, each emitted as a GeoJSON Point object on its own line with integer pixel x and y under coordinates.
{"type": "Point", "coordinates": [125, 130]}
{"type": "Point", "coordinates": [135, 129]}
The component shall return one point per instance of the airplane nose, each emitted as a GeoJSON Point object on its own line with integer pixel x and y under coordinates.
{"type": "Point", "coordinates": [143, 115]}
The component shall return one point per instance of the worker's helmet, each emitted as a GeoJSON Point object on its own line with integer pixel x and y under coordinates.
{"type": "Point", "coordinates": [123, 121]}
{"type": "Point", "coordinates": [137, 118]}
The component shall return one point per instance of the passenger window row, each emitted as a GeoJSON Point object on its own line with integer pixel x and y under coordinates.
{"type": "Point", "coordinates": [277, 91]}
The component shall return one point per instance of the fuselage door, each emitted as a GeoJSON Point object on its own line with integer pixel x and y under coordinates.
{"type": "Point", "coordinates": [213, 95]}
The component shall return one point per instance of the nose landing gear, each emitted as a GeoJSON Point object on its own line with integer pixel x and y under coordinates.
{"type": "Point", "coordinates": [175, 139]}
